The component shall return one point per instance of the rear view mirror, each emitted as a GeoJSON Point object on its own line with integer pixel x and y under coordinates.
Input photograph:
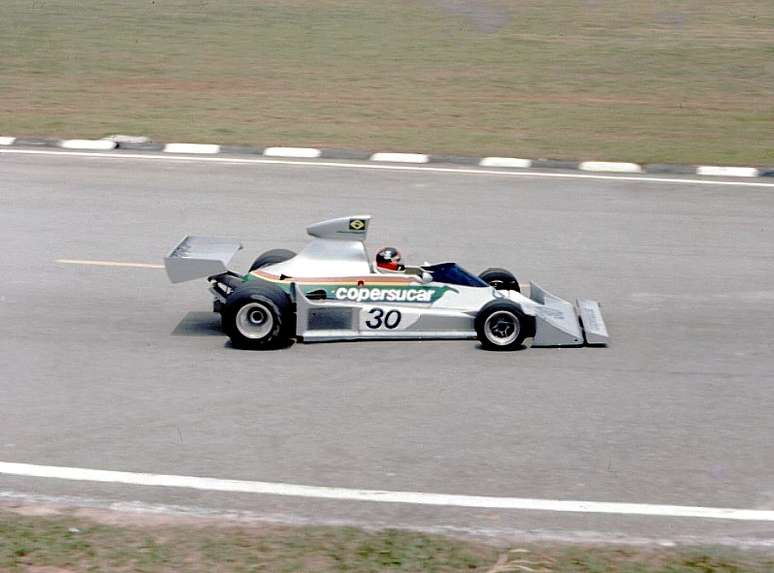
{"type": "Point", "coordinates": [426, 277]}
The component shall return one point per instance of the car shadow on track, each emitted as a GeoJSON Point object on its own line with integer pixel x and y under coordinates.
{"type": "Point", "coordinates": [199, 324]}
{"type": "Point", "coordinates": [208, 324]}
{"type": "Point", "coordinates": [480, 346]}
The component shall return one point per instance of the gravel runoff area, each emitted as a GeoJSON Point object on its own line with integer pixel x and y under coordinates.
{"type": "Point", "coordinates": [623, 80]}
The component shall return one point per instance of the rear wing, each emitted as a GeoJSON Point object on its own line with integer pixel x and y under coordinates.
{"type": "Point", "coordinates": [199, 257]}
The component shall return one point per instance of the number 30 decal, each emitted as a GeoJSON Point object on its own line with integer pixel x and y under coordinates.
{"type": "Point", "coordinates": [379, 318]}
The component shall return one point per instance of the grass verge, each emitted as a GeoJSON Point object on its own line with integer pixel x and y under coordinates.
{"type": "Point", "coordinates": [66, 543]}
{"type": "Point", "coordinates": [689, 82]}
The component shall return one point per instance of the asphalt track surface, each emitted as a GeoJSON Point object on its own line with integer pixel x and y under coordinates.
{"type": "Point", "coordinates": [114, 368]}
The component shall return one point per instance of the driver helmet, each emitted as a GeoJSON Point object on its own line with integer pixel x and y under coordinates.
{"type": "Point", "coordinates": [388, 259]}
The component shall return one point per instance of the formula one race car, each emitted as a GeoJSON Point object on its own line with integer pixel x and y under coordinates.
{"type": "Point", "coordinates": [331, 291]}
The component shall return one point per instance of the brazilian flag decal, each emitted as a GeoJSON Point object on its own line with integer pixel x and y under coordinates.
{"type": "Point", "coordinates": [358, 225]}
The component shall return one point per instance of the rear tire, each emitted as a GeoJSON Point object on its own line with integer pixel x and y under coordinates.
{"type": "Point", "coordinates": [500, 279]}
{"type": "Point", "coordinates": [272, 257]}
{"type": "Point", "coordinates": [501, 325]}
{"type": "Point", "coordinates": [258, 317]}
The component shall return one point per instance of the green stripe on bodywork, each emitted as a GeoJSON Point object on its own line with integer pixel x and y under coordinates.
{"type": "Point", "coordinates": [373, 293]}
{"type": "Point", "coordinates": [284, 286]}
{"type": "Point", "coordinates": [379, 293]}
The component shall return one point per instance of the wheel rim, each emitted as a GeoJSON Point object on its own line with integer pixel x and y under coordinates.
{"type": "Point", "coordinates": [502, 327]}
{"type": "Point", "coordinates": [254, 320]}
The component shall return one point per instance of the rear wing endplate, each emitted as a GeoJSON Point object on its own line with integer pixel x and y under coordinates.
{"type": "Point", "coordinates": [199, 257]}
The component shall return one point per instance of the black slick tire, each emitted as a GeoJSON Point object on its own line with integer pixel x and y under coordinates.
{"type": "Point", "coordinates": [258, 317]}
{"type": "Point", "coordinates": [501, 325]}
{"type": "Point", "coordinates": [500, 279]}
{"type": "Point", "coordinates": [272, 257]}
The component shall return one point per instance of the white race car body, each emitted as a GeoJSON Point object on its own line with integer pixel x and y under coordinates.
{"type": "Point", "coordinates": [339, 295]}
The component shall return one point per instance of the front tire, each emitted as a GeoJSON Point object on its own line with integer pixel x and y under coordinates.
{"type": "Point", "coordinates": [500, 279]}
{"type": "Point", "coordinates": [258, 317]}
{"type": "Point", "coordinates": [501, 325]}
{"type": "Point", "coordinates": [272, 257]}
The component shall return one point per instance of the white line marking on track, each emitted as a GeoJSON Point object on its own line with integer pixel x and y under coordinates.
{"type": "Point", "coordinates": [391, 167]}
{"type": "Point", "coordinates": [379, 496]}
{"type": "Point", "coordinates": [507, 533]}
{"type": "Point", "coordinates": [109, 264]}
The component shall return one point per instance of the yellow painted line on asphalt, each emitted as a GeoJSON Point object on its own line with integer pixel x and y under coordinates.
{"type": "Point", "coordinates": [109, 264]}
{"type": "Point", "coordinates": [115, 264]}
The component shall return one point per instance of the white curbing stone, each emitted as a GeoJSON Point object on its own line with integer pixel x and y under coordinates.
{"type": "Point", "coordinates": [119, 138]}
{"type": "Point", "coordinates": [304, 152]}
{"type": "Point", "coordinates": [611, 166]}
{"type": "Point", "coordinates": [721, 171]}
{"type": "Point", "coordinates": [401, 157]}
{"type": "Point", "coordinates": [365, 165]}
{"type": "Point", "coordinates": [505, 162]}
{"type": "Point", "coordinates": [203, 148]}
{"type": "Point", "coordinates": [93, 144]}
{"type": "Point", "coordinates": [111, 142]}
